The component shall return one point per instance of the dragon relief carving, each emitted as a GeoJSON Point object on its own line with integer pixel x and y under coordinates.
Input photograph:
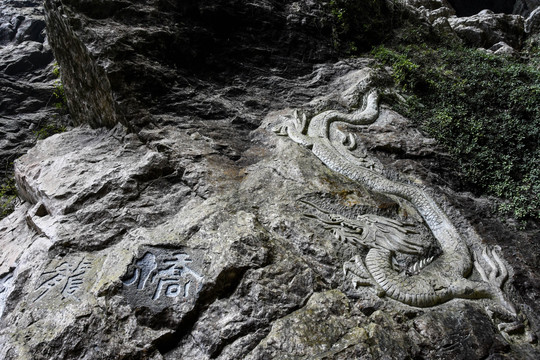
{"type": "Point", "coordinates": [431, 280]}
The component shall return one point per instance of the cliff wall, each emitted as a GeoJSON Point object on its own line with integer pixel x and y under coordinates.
{"type": "Point", "coordinates": [237, 185]}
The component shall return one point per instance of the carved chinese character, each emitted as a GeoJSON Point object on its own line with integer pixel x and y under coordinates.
{"type": "Point", "coordinates": [65, 275]}
{"type": "Point", "coordinates": [143, 269]}
{"type": "Point", "coordinates": [166, 275]}
{"type": "Point", "coordinates": [175, 278]}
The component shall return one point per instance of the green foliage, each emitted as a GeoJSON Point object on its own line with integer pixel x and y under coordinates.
{"type": "Point", "coordinates": [402, 66]}
{"type": "Point", "coordinates": [49, 130]}
{"type": "Point", "coordinates": [58, 93]}
{"type": "Point", "coordinates": [8, 194]}
{"type": "Point", "coordinates": [358, 25]}
{"type": "Point", "coordinates": [484, 109]}
{"type": "Point", "coordinates": [54, 125]}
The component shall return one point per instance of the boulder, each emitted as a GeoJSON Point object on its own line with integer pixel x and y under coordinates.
{"type": "Point", "coordinates": [502, 48]}
{"type": "Point", "coordinates": [469, 8]}
{"type": "Point", "coordinates": [525, 7]}
{"type": "Point", "coordinates": [487, 28]}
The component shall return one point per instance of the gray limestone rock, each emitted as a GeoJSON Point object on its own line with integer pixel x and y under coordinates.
{"type": "Point", "coordinates": [481, 28]}
{"type": "Point", "coordinates": [97, 44]}
{"type": "Point", "coordinates": [469, 8]}
{"type": "Point", "coordinates": [502, 48]}
{"type": "Point", "coordinates": [26, 79]}
{"type": "Point", "coordinates": [88, 191]}
{"type": "Point", "coordinates": [525, 7]}
{"type": "Point", "coordinates": [202, 234]}
{"type": "Point", "coordinates": [21, 21]}
{"type": "Point", "coordinates": [432, 9]}
{"type": "Point", "coordinates": [532, 23]}
{"type": "Point", "coordinates": [174, 248]}
{"type": "Point", "coordinates": [325, 329]}
{"type": "Point", "coordinates": [487, 28]}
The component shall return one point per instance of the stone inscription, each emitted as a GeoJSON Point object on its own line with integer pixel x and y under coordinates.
{"type": "Point", "coordinates": [4, 280]}
{"type": "Point", "coordinates": [165, 275]}
{"type": "Point", "coordinates": [67, 278]}
{"type": "Point", "coordinates": [6, 285]}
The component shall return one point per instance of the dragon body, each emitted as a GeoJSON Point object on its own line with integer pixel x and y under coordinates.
{"type": "Point", "coordinates": [437, 281]}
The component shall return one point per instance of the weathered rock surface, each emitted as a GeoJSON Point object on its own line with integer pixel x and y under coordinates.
{"type": "Point", "coordinates": [201, 234]}
{"type": "Point", "coordinates": [25, 78]}
{"type": "Point", "coordinates": [171, 249]}
{"type": "Point", "coordinates": [480, 28]}
{"type": "Point", "coordinates": [532, 23]}
{"type": "Point", "coordinates": [468, 8]}
{"type": "Point", "coordinates": [432, 9]}
{"type": "Point", "coordinates": [135, 57]}
{"type": "Point", "coordinates": [525, 7]}
{"type": "Point", "coordinates": [487, 28]}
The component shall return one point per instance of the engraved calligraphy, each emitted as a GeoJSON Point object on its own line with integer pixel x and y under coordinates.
{"type": "Point", "coordinates": [67, 276]}
{"type": "Point", "coordinates": [6, 285]}
{"type": "Point", "coordinates": [169, 276]}
{"type": "Point", "coordinates": [143, 269]}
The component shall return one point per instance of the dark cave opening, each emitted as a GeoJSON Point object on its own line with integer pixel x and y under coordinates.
{"type": "Point", "coordinates": [472, 7]}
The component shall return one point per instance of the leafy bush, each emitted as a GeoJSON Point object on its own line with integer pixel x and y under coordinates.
{"type": "Point", "coordinates": [358, 25]}
{"type": "Point", "coordinates": [55, 125]}
{"type": "Point", "coordinates": [58, 93]}
{"type": "Point", "coordinates": [483, 108]}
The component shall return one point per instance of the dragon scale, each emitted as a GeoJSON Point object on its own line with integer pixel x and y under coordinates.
{"type": "Point", "coordinates": [455, 261]}
{"type": "Point", "coordinates": [439, 281]}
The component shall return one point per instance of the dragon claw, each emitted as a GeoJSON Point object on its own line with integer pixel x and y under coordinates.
{"type": "Point", "coordinates": [280, 130]}
{"type": "Point", "coordinates": [300, 122]}
{"type": "Point", "coordinates": [294, 128]}
{"type": "Point", "coordinates": [359, 273]}
{"type": "Point", "coordinates": [495, 275]}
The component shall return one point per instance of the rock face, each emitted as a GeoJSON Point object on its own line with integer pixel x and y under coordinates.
{"type": "Point", "coordinates": [525, 7]}
{"type": "Point", "coordinates": [26, 78]}
{"type": "Point", "coordinates": [133, 69]}
{"type": "Point", "coordinates": [468, 8]}
{"type": "Point", "coordinates": [255, 210]}
{"type": "Point", "coordinates": [483, 28]}
{"type": "Point", "coordinates": [487, 28]}
{"type": "Point", "coordinates": [532, 24]}
{"type": "Point", "coordinates": [433, 10]}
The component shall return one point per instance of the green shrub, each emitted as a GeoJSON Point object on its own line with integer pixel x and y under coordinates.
{"type": "Point", "coordinates": [58, 93]}
{"type": "Point", "coordinates": [55, 125]}
{"type": "Point", "coordinates": [483, 108]}
{"type": "Point", "coordinates": [358, 25]}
